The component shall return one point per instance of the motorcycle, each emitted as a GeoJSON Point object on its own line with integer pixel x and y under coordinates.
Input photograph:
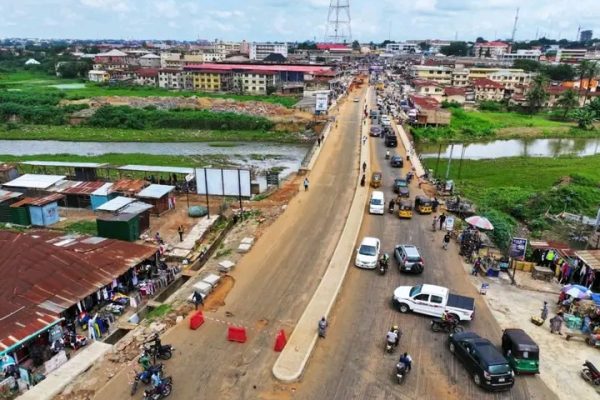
{"type": "Point", "coordinates": [164, 390]}
{"type": "Point", "coordinates": [590, 373]}
{"type": "Point", "coordinates": [387, 155]}
{"type": "Point", "coordinates": [448, 326]}
{"type": "Point", "coordinates": [144, 376]}
{"type": "Point", "coordinates": [390, 347]}
{"type": "Point", "coordinates": [401, 372]}
{"type": "Point", "coordinates": [391, 207]}
{"type": "Point", "coordinates": [163, 351]}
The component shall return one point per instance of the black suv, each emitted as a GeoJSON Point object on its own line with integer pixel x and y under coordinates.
{"type": "Point", "coordinates": [397, 162]}
{"type": "Point", "coordinates": [486, 364]}
{"type": "Point", "coordinates": [390, 140]}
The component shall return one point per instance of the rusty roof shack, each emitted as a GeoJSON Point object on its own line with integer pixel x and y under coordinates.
{"type": "Point", "coordinates": [128, 187]}
{"type": "Point", "coordinates": [47, 273]}
{"type": "Point", "coordinates": [77, 194]}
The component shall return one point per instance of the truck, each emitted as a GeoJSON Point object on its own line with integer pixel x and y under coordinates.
{"type": "Point", "coordinates": [433, 300]}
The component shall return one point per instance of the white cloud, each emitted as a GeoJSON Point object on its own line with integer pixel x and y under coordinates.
{"type": "Point", "coordinates": [109, 5]}
{"type": "Point", "coordinates": [166, 8]}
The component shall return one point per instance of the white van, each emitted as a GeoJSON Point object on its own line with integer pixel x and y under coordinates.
{"type": "Point", "coordinates": [377, 203]}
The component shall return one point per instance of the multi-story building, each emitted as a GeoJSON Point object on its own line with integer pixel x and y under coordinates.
{"type": "Point", "coordinates": [439, 74]}
{"type": "Point", "coordinates": [259, 51]}
{"type": "Point", "coordinates": [491, 49]}
{"type": "Point", "coordinates": [570, 55]}
{"type": "Point", "coordinates": [209, 80]}
{"type": "Point", "coordinates": [401, 48]}
{"type": "Point", "coordinates": [98, 76]}
{"type": "Point", "coordinates": [488, 90]}
{"type": "Point", "coordinates": [455, 95]}
{"type": "Point", "coordinates": [112, 57]}
{"type": "Point", "coordinates": [509, 79]}
{"type": "Point", "coordinates": [428, 88]}
{"type": "Point", "coordinates": [149, 60]}
{"type": "Point", "coordinates": [522, 55]}
{"type": "Point", "coordinates": [222, 49]}
{"type": "Point", "coordinates": [484, 72]}
{"type": "Point", "coordinates": [460, 77]}
{"type": "Point", "coordinates": [171, 60]}
{"type": "Point", "coordinates": [172, 78]}
{"type": "Point", "coordinates": [255, 82]}
{"type": "Point", "coordinates": [146, 77]}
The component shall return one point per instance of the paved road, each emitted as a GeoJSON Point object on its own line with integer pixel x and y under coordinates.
{"type": "Point", "coordinates": [274, 282]}
{"type": "Point", "coordinates": [351, 364]}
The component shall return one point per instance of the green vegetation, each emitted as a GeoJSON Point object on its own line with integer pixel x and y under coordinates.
{"type": "Point", "coordinates": [524, 189]}
{"type": "Point", "coordinates": [87, 134]}
{"type": "Point", "coordinates": [158, 312]}
{"type": "Point", "coordinates": [472, 125]}
{"type": "Point", "coordinates": [136, 118]}
{"type": "Point", "coordinates": [83, 227]}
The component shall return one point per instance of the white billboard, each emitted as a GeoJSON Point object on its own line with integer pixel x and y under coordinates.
{"type": "Point", "coordinates": [322, 101]}
{"type": "Point", "coordinates": [223, 182]}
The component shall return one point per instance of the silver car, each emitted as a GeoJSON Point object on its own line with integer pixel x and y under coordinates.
{"type": "Point", "coordinates": [408, 258]}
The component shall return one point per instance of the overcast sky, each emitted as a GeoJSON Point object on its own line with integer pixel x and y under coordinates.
{"type": "Point", "coordinates": [291, 20]}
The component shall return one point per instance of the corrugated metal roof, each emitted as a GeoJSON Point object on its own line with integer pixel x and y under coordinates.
{"type": "Point", "coordinates": [151, 168]}
{"type": "Point", "coordinates": [104, 190]}
{"type": "Point", "coordinates": [6, 195]}
{"type": "Point", "coordinates": [65, 164]}
{"type": "Point", "coordinates": [44, 272]}
{"type": "Point", "coordinates": [35, 181]}
{"type": "Point", "coordinates": [82, 188]}
{"type": "Point", "coordinates": [115, 204]}
{"type": "Point", "coordinates": [135, 208]}
{"type": "Point", "coordinates": [129, 185]}
{"type": "Point", "coordinates": [590, 257]}
{"type": "Point", "coordinates": [38, 201]}
{"type": "Point", "coordinates": [156, 191]}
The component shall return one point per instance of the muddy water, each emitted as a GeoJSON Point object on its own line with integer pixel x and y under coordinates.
{"type": "Point", "coordinates": [515, 148]}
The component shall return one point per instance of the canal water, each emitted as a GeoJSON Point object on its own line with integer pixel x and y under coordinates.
{"type": "Point", "coordinates": [514, 148]}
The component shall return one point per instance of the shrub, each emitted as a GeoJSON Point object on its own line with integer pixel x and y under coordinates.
{"type": "Point", "coordinates": [488, 105]}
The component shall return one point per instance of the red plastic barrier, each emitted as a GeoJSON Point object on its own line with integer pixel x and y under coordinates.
{"type": "Point", "coordinates": [280, 341]}
{"type": "Point", "coordinates": [196, 320]}
{"type": "Point", "coordinates": [236, 334]}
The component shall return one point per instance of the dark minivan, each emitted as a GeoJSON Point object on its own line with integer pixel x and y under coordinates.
{"type": "Point", "coordinates": [486, 365]}
{"type": "Point", "coordinates": [390, 140]}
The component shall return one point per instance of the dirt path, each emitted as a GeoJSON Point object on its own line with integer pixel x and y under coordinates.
{"type": "Point", "coordinates": [273, 284]}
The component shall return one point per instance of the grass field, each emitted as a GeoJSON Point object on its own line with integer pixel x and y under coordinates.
{"type": "Point", "coordinates": [476, 125]}
{"type": "Point", "coordinates": [83, 227]}
{"type": "Point", "coordinates": [86, 134]}
{"type": "Point", "coordinates": [38, 82]}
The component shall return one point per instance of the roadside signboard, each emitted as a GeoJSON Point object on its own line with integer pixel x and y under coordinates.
{"type": "Point", "coordinates": [449, 223]}
{"type": "Point", "coordinates": [272, 178]}
{"type": "Point", "coordinates": [517, 249]}
{"type": "Point", "coordinates": [322, 102]}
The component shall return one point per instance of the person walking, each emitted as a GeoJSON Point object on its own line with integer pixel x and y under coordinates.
{"type": "Point", "coordinates": [319, 141]}
{"type": "Point", "coordinates": [446, 240]}
{"type": "Point", "coordinates": [198, 299]}
{"type": "Point", "coordinates": [556, 323]}
{"type": "Point", "coordinates": [544, 314]}
{"type": "Point", "coordinates": [434, 222]}
{"type": "Point", "coordinates": [442, 220]}
{"type": "Point", "coordinates": [180, 232]}
{"type": "Point", "coordinates": [364, 166]}
{"type": "Point", "coordinates": [306, 184]}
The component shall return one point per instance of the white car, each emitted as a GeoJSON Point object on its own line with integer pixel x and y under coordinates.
{"type": "Point", "coordinates": [356, 100]}
{"type": "Point", "coordinates": [368, 253]}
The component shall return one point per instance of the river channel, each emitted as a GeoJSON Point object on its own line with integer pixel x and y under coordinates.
{"type": "Point", "coordinates": [514, 148]}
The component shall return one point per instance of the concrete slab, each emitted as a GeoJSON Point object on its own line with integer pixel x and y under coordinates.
{"type": "Point", "coordinates": [58, 379]}
{"type": "Point", "coordinates": [212, 280]}
{"type": "Point", "coordinates": [292, 360]}
{"type": "Point", "coordinates": [244, 248]}
{"type": "Point", "coordinates": [189, 240]}
{"type": "Point", "coordinates": [226, 266]}
{"type": "Point", "coordinates": [202, 287]}
{"type": "Point", "coordinates": [248, 240]}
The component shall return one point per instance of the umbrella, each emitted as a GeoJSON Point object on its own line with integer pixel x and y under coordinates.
{"type": "Point", "coordinates": [480, 222]}
{"type": "Point", "coordinates": [577, 293]}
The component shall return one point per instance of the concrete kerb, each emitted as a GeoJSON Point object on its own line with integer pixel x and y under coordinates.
{"type": "Point", "coordinates": [414, 159]}
{"type": "Point", "coordinates": [290, 364]}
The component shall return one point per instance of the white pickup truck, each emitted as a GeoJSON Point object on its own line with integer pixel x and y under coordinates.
{"type": "Point", "coordinates": [433, 300]}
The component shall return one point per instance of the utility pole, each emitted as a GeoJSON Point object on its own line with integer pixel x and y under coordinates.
{"type": "Point", "coordinates": [512, 39]}
{"type": "Point", "coordinates": [537, 31]}
{"type": "Point", "coordinates": [449, 161]}
{"type": "Point", "coordinates": [339, 28]}
{"type": "Point", "coordinates": [578, 30]}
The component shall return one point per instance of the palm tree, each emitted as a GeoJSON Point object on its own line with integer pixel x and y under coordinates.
{"type": "Point", "coordinates": [588, 70]}
{"type": "Point", "coordinates": [537, 95]}
{"type": "Point", "coordinates": [568, 100]}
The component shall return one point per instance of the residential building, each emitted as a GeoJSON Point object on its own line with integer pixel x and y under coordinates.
{"type": "Point", "coordinates": [522, 55]}
{"type": "Point", "coordinates": [438, 74]}
{"type": "Point", "coordinates": [488, 90]}
{"type": "Point", "coordinates": [222, 49]}
{"type": "Point", "coordinates": [112, 57]}
{"type": "Point", "coordinates": [570, 55]}
{"type": "Point", "coordinates": [259, 51]}
{"type": "Point", "coordinates": [491, 49]}
{"type": "Point", "coordinates": [460, 77]}
{"type": "Point", "coordinates": [586, 36]}
{"type": "Point", "coordinates": [210, 80]}
{"type": "Point", "coordinates": [427, 111]}
{"type": "Point", "coordinates": [169, 78]}
{"type": "Point", "coordinates": [255, 82]}
{"type": "Point", "coordinates": [146, 77]}
{"type": "Point", "coordinates": [485, 72]}
{"type": "Point", "coordinates": [401, 48]}
{"type": "Point", "coordinates": [171, 60]}
{"type": "Point", "coordinates": [428, 88]}
{"type": "Point", "coordinates": [98, 76]}
{"type": "Point", "coordinates": [510, 78]}
{"type": "Point", "coordinates": [455, 95]}
{"type": "Point", "coordinates": [149, 60]}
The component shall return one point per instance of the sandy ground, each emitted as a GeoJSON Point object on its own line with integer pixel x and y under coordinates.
{"type": "Point", "coordinates": [560, 360]}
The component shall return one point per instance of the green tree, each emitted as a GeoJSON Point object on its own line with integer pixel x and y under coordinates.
{"type": "Point", "coordinates": [424, 46]}
{"type": "Point", "coordinates": [355, 45]}
{"type": "Point", "coordinates": [560, 72]}
{"type": "Point", "coordinates": [537, 95]}
{"type": "Point", "coordinates": [588, 70]}
{"type": "Point", "coordinates": [480, 40]}
{"type": "Point", "coordinates": [68, 70]}
{"type": "Point", "coordinates": [585, 118]}
{"type": "Point", "coordinates": [527, 65]}
{"type": "Point", "coordinates": [568, 100]}
{"type": "Point", "coordinates": [455, 49]}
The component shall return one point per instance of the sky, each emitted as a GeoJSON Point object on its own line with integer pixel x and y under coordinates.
{"type": "Point", "coordinates": [295, 20]}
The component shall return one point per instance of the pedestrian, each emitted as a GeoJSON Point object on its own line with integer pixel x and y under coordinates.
{"type": "Point", "coordinates": [157, 238]}
{"type": "Point", "coordinates": [556, 323]}
{"type": "Point", "coordinates": [446, 240]}
{"type": "Point", "coordinates": [323, 324]}
{"type": "Point", "coordinates": [306, 184]}
{"type": "Point", "coordinates": [442, 220]}
{"type": "Point", "coordinates": [434, 222]}
{"type": "Point", "coordinates": [476, 266]}
{"type": "Point", "coordinates": [180, 231]}
{"type": "Point", "coordinates": [198, 299]}
{"type": "Point", "coordinates": [319, 141]}
{"type": "Point", "coordinates": [364, 166]}
{"type": "Point", "coordinates": [544, 314]}
{"type": "Point", "coordinates": [591, 277]}
{"type": "Point", "coordinates": [364, 140]}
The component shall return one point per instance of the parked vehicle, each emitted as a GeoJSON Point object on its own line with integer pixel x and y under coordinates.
{"type": "Point", "coordinates": [522, 353]}
{"type": "Point", "coordinates": [590, 373]}
{"type": "Point", "coordinates": [486, 365]}
{"type": "Point", "coordinates": [433, 300]}
{"type": "Point", "coordinates": [367, 254]}
{"type": "Point", "coordinates": [164, 352]}
{"type": "Point", "coordinates": [376, 179]}
{"type": "Point", "coordinates": [391, 140]}
{"type": "Point", "coordinates": [377, 203]}
{"type": "Point", "coordinates": [449, 325]}
{"type": "Point", "coordinates": [404, 209]}
{"type": "Point", "coordinates": [408, 258]}
{"type": "Point", "coordinates": [423, 205]}
{"type": "Point", "coordinates": [396, 161]}
{"type": "Point", "coordinates": [160, 393]}
{"type": "Point", "coordinates": [144, 376]}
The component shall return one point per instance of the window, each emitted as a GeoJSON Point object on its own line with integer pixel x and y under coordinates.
{"type": "Point", "coordinates": [422, 297]}
{"type": "Point", "coordinates": [436, 299]}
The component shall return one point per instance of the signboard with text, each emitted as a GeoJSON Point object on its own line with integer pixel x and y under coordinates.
{"type": "Point", "coordinates": [518, 247]}
{"type": "Point", "coordinates": [322, 102]}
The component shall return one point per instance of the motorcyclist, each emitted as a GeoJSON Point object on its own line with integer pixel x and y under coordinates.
{"type": "Point", "coordinates": [144, 361]}
{"type": "Point", "coordinates": [392, 337]}
{"type": "Point", "coordinates": [384, 260]}
{"type": "Point", "coordinates": [392, 205]}
{"type": "Point", "coordinates": [406, 359]}
{"type": "Point", "coordinates": [448, 319]}
{"type": "Point", "coordinates": [387, 154]}
{"type": "Point", "coordinates": [156, 382]}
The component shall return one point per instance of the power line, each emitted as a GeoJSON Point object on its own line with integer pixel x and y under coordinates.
{"type": "Point", "coordinates": [339, 28]}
